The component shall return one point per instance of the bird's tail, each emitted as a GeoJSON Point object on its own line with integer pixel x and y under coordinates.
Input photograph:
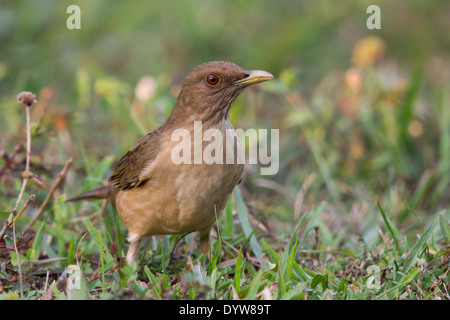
{"type": "Point", "coordinates": [105, 192]}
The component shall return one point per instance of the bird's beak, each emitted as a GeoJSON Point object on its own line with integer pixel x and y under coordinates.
{"type": "Point", "coordinates": [252, 77]}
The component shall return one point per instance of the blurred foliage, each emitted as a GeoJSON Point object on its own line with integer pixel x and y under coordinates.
{"type": "Point", "coordinates": [363, 112]}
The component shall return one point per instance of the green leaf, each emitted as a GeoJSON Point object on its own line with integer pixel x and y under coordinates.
{"type": "Point", "coordinates": [150, 276]}
{"type": "Point", "coordinates": [402, 283]}
{"type": "Point", "coordinates": [238, 271]}
{"type": "Point", "coordinates": [290, 262]}
{"type": "Point", "coordinates": [296, 292]}
{"type": "Point", "coordinates": [272, 254]}
{"type": "Point", "coordinates": [212, 282]}
{"type": "Point", "coordinates": [342, 283]}
{"type": "Point", "coordinates": [4, 214]}
{"type": "Point", "coordinates": [120, 240]}
{"type": "Point", "coordinates": [281, 281]}
{"type": "Point", "coordinates": [93, 232]}
{"type": "Point", "coordinates": [102, 167]}
{"type": "Point", "coordinates": [242, 213]}
{"type": "Point", "coordinates": [227, 230]}
{"type": "Point", "coordinates": [70, 253]}
{"type": "Point", "coordinates": [37, 242]}
{"type": "Point", "coordinates": [31, 254]}
{"type": "Point", "coordinates": [254, 285]}
{"type": "Point", "coordinates": [324, 168]}
{"type": "Point", "coordinates": [324, 282]}
{"type": "Point", "coordinates": [57, 294]}
{"type": "Point", "coordinates": [61, 216]}
{"type": "Point", "coordinates": [303, 275]}
{"type": "Point", "coordinates": [419, 246]}
{"type": "Point", "coordinates": [90, 227]}
{"type": "Point", "coordinates": [312, 221]}
{"type": "Point", "coordinates": [389, 227]}
{"type": "Point", "coordinates": [14, 260]}
{"type": "Point", "coordinates": [316, 281]}
{"type": "Point", "coordinates": [215, 258]}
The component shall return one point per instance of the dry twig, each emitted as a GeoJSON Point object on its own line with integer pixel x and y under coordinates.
{"type": "Point", "coordinates": [27, 98]}
{"type": "Point", "coordinates": [61, 176]}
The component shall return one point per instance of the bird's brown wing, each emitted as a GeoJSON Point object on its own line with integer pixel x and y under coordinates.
{"type": "Point", "coordinates": [129, 171]}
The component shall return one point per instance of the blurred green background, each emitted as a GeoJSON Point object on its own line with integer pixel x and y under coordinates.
{"type": "Point", "coordinates": [363, 114]}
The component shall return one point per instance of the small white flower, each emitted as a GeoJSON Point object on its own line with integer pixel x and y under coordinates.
{"type": "Point", "coordinates": [145, 89]}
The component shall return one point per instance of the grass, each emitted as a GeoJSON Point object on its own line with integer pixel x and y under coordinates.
{"type": "Point", "coordinates": [253, 256]}
{"type": "Point", "coordinates": [358, 209]}
{"type": "Point", "coordinates": [305, 267]}
{"type": "Point", "coordinates": [307, 261]}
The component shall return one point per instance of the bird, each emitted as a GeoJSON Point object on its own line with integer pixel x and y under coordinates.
{"type": "Point", "coordinates": [153, 194]}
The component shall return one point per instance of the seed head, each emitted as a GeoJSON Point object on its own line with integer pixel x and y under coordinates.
{"type": "Point", "coordinates": [27, 98]}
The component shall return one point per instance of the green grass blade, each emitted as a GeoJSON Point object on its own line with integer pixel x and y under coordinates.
{"type": "Point", "coordinates": [296, 292]}
{"type": "Point", "coordinates": [272, 254]}
{"type": "Point", "coordinates": [418, 247]}
{"type": "Point", "coordinates": [254, 285]}
{"type": "Point", "coordinates": [445, 227]}
{"type": "Point", "coordinates": [70, 253]}
{"type": "Point", "coordinates": [312, 222]}
{"type": "Point", "coordinates": [238, 271]}
{"type": "Point", "coordinates": [120, 240]}
{"type": "Point", "coordinates": [389, 227]}
{"type": "Point", "coordinates": [290, 262]}
{"type": "Point", "coordinates": [281, 281]}
{"type": "Point", "coordinates": [403, 282]}
{"type": "Point", "coordinates": [227, 229]}
{"type": "Point", "coordinates": [302, 274]}
{"type": "Point", "coordinates": [215, 258]}
{"type": "Point", "coordinates": [241, 209]}
{"type": "Point", "coordinates": [324, 168]}
{"type": "Point", "coordinates": [37, 242]}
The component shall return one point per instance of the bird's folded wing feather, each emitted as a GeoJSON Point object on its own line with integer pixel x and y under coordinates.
{"type": "Point", "coordinates": [129, 171]}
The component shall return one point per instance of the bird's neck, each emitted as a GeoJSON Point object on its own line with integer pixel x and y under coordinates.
{"type": "Point", "coordinates": [213, 117]}
{"type": "Point", "coordinates": [214, 122]}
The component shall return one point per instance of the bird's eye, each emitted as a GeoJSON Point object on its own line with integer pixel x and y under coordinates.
{"type": "Point", "coordinates": [212, 79]}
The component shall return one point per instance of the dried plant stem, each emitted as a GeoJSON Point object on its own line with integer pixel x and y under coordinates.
{"type": "Point", "coordinates": [61, 176]}
{"type": "Point", "coordinates": [19, 266]}
{"type": "Point", "coordinates": [27, 203]}
{"type": "Point", "coordinates": [26, 176]}
{"type": "Point", "coordinates": [26, 98]}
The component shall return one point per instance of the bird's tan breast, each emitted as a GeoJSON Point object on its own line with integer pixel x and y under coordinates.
{"type": "Point", "coordinates": [178, 198]}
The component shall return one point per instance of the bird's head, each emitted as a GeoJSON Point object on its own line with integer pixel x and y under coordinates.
{"type": "Point", "coordinates": [211, 88]}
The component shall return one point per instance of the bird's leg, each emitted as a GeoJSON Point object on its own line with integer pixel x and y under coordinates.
{"type": "Point", "coordinates": [133, 249]}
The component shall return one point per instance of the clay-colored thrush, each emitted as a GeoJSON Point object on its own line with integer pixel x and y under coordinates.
{"type": "Point", "coordinates": [155, 196]}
